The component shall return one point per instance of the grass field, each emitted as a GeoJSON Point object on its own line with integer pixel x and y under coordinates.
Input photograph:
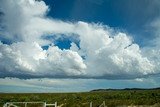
{"type": "Point", "coordinates": [112, 98]}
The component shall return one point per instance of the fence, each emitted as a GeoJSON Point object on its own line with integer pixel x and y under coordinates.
{"type": "Point", "coordinates": [44, 104]}
{"type": "Point", "coordinates": [14, 104]}
{"type": "Point", "coordinates": [103, 104]}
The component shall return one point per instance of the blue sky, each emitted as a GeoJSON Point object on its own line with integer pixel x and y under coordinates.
{"type": "Point", "coordinates": [131, 16]}
{"type": "Point", "coordinates": [79, 45]}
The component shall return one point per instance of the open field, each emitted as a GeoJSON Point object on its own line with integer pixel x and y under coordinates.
{"type": "Point", "coordinates": [112, 98]}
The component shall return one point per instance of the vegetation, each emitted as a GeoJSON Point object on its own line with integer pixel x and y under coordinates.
{"type": "Point", "coordinates": [112, 98]}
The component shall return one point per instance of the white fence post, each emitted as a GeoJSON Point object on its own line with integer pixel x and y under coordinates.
{"type": "Point", "coordinates": [25, 104]}
{"type": "Point", "coordinates": [44, 105]}
{"type": "Point", "coordinates": [55, 104]}
{"type": "Point", "coordinates": [103, 104]}
{"type": "Point", "coordinates": [5, 105]}
{"type": "Point", "coordinates": [90, 105]}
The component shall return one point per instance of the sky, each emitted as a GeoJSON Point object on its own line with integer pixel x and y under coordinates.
{"type": "Point", "coordinates": [79, 45]}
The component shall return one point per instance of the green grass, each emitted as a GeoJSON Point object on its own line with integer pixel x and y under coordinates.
{"type": "Point", "coordinates": [112, 98]}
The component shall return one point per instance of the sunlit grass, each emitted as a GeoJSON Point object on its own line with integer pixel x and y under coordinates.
{"type": "Point", "coordinates": [111, 98]}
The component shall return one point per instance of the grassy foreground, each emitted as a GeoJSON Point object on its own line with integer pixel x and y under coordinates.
{"type": "Point", "coordinates": [112, 98]}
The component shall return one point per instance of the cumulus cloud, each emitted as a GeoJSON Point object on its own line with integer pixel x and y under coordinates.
{"type": "Point", "coordinates": [30, 59]}
{"type": "Point", "coordinates": [102, 52]}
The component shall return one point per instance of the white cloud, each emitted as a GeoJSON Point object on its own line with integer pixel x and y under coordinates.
{"type": "Point", "coordinates": [24, 58]}
{"type": "Point", "coordinates": [19, 15]}
{"type": "Point", "coordinates": [120, 58]}
{"type": "Point", "coordinates": [139, 80]}
{"type": "Point", "coordinates": [108, 54]}
{"type": "Point", "coordinates": [153, 52]}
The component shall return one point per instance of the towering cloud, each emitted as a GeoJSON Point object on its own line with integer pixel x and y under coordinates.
{"type": "Point", "coordinates": [101, 53]}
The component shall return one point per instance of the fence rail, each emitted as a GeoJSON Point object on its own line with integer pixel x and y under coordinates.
{"type": "Point", "coordinates": [14, 104]}
{"type": "Point", "coordinates": [44, 104]}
